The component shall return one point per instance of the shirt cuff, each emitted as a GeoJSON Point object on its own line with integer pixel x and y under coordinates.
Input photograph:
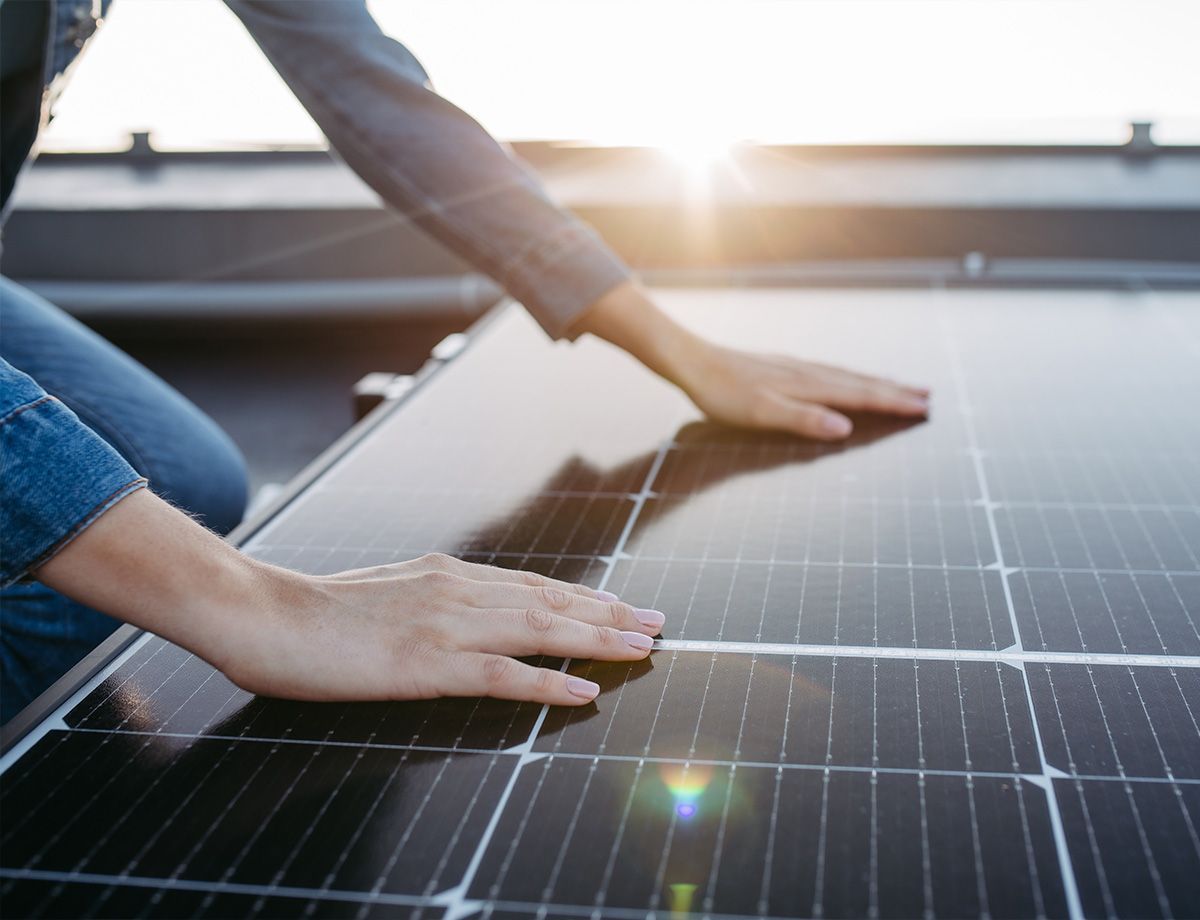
{"type": "Point", "coordinates": [59, 476]}
{"type": "Point", "coordinates": [559, 280]}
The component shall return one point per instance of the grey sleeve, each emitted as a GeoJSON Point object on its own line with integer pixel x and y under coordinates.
{"type": "Point", "coordinates": [429, 159]}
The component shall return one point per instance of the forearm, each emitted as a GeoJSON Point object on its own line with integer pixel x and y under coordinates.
{"type": "Point", "coordinates": [434, 626]}
{"type": "Point", "coordinates": [149, 564]}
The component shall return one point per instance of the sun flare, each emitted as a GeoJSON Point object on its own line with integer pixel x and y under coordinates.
{"type": "Point", "coordinates": [696, 152]}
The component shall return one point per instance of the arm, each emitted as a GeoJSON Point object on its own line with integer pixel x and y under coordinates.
{"type": "Point", "coordinates": [432, 627]}
{"type": "Point", "coordinates": [430, 160]}
{"type": "Point", "coordinates": [435, 164]}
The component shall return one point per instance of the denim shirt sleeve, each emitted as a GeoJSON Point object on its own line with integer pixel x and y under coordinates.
{"type": "Point", "coordinates": [429, 159]}
{"type": "Point", "coordinates": [56, 475]}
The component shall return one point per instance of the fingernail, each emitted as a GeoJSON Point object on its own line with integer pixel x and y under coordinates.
{"type": "Point", "coordinates": [583, 688]}
{"type": "Point", "coordinates": [836, 426]}
{"type": "Point", "coordinates": [650, 618]}
{"type": "Point", "coordinates": [607, 596]}
{"type": "Point", "coordinates": [637, 640]}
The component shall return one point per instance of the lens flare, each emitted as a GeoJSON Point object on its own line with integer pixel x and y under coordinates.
{"type": "Point", "coordinates": [681, 899]}
{"type": "Point", "coordinates": [686, 783]}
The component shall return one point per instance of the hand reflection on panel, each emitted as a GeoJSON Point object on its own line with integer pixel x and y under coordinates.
{"type": "Point", "coordinates": [703, 456]}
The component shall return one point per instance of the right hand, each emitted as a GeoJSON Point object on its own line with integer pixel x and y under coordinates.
{"type": "Point", "coordinates": [435, 626]}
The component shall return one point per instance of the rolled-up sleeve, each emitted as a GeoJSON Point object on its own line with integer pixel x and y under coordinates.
{"type": "Point", "coordinates": [56, 475]}
{"type": "Point", "coordinates": [429, 159]}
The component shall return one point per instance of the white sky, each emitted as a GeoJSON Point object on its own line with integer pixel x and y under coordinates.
{"type": "Point", "coordinates": [678, 72]}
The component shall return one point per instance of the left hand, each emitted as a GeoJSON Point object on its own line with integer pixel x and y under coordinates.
{"type": "Point", "coordinates": [743, 388]}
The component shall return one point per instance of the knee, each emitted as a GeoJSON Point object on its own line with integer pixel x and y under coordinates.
{"type": "Point", "coordinates": [206, 477]}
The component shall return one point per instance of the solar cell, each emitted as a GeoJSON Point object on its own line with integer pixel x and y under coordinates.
{"type": "Point", "coordinates": [944, 669]}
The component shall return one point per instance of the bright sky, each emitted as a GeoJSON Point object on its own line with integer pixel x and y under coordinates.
{"type": "Point", "coordinates": [679, 72]}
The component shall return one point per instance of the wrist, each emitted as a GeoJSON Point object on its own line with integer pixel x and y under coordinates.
{"type": "Point", "coordinates": [629, 319]}
{"type": "Point", "coordinates": [247, 611]}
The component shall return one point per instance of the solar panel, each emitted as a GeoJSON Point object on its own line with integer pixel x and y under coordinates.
{"type": "Point", "coordinates": [944, 669]}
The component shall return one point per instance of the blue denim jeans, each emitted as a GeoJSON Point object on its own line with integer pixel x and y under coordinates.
{"type": "Point", "coordinates": [188, 459]}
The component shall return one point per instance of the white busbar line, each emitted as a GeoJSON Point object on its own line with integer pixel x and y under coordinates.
{"type": "Point", "coordinates": [1015, 656]}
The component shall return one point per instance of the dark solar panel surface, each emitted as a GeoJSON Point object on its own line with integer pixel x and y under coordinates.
{"type": "Point", "coordinates": [946, 669]}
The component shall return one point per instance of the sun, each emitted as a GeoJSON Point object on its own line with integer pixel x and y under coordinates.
{"type": "Point", "coordinates": [695, 152]}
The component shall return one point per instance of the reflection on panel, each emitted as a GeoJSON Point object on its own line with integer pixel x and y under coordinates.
{"type": "Point", "coordinates": [683, 838]}
{"type": "Point", "coordinates": [854, 712]}
{"type": "Point", "coordinates": [331, 532]}
{"type": "Point", "coordinates": [820, 604]}
{"type": "Point", "coordinates": [250, 812]}
{"type": "Point", "coordinates": [775, 528]}
{"type": "Point", "coordinates": [165, 690]}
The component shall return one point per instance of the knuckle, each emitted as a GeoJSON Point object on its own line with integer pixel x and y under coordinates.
{"type": "Point", "coordinates": [440, 580]}
{"type": "Point", "coordinates": [617, 614]}
{"type": "Point", "coordinates": [603, 637]}
{"type": "Point", "coordinates": [438, 561]}
{"type": "Point", "coordinates": [497, 670]}
{"type": "Point", "coordinates": [539, 620]}
{"type": "Point", "coordinates": [761, 411]}
{"type": "Point", "coordinates": [544, 682]}
{"type": "Point", "coordinates": [880, 394]}
{"type": "Point", "coordinates": [417, 648]}
{"type": "Point", "coordinates": [529, 579]}
{"type": "Point", "coordinates": [553, 598]}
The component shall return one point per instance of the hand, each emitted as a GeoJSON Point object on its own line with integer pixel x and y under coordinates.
{"type": "Point", "coordinates": [777, 392]}
{"type": "Point", "coordinates": [436, 626]}
{"type": "Point", "coordinates": [433, 627]}
{"type": "Point", "coordinates": [742, 388]}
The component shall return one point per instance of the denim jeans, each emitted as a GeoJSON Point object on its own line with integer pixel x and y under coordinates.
{"type": "Point", "coordinates": [188, 459]}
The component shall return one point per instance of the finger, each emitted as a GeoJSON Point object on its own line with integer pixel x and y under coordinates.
{"type": "Point", "coordinates": [841, 374]}
{"type": "Point", "coordinates": [479, 674]}
{"type": "Point", "coordinates": [804, 418]}
{"type": "Point", "coordinates": [920, 392]}
{"type": "Point", "coordinates": [553, 599]}
{"type": "Point", "coordinates": [494, 574]}
{"type": "Point", "coordinates": [533, 631]}
{"type": "Point", "coordinates": [872, 395]}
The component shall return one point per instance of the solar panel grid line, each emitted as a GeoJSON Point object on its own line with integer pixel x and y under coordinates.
{"type": "Point", "coordinates": [206, 886]}
{"type": "Point", "coordinates": [25, 744]}
{"type": "Point", "coordinates": [868, 501]}
{"type": "Point", "coordinates": [228, 806]}
{"type": "Point", "coordinates": [151, 840]}
{"type": "Point", "coordinates": [1074, 904]}
{"type": "Point", "coordinates": [352, 842]}
{"type": "Point", "coordinates": [457, 905]}
{"type": "Point", "coordinates": [1014, 657]}
{"type": "Point", "coordinates": [711, 761]}
{"type": "Point", "coordinates": [64, 827]}
{"type": "Point", "coordinates": [639, 501]}
{"type": "Point", "coordinates": [691, 751]}
{"type": "Point", "coordinates": [795, 563]}
{"type": "Point", "coordinates": [112, 829]}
